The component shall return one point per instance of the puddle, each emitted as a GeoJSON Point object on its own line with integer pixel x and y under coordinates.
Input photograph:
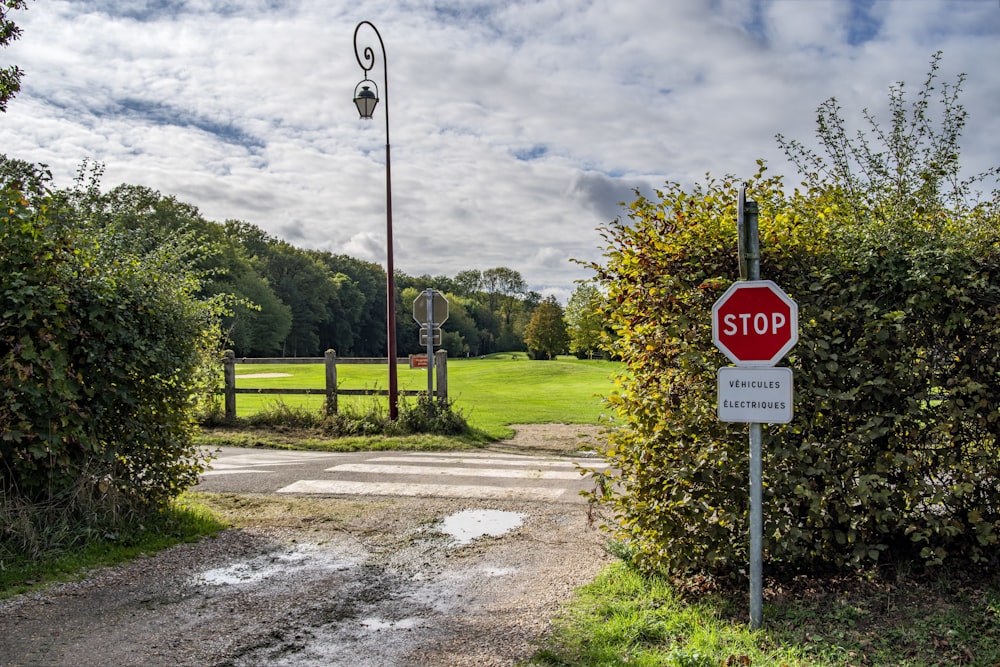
{"type": "Point", "coordinates": [269, 565]}
{"type": "Point", "coordinates": [467, 525]}
{"type": "Point", "coordinates": [374, 624]}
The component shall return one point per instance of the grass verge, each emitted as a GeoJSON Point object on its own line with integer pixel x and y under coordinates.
{"type": "Point", "coordinates": [490, 393]}
{"type": "Point", "coordinates": [625, 618]}
{"type": "Point", "coordinates": [314, 439]}
{"type": "Point", "coordinates": [186, 521]}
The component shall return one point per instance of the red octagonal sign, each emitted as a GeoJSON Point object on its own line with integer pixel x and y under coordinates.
{"type": "Point", "coordinates": [755, 323]}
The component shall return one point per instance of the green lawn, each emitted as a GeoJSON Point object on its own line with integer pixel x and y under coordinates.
{"type": "Point", "coordinates": [880, 619]}
{"type": "Point", "coordinates": [492, 392]}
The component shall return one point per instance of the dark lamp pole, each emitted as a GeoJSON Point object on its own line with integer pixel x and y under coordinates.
{"type": "Point", "coordinates": [366, 101]}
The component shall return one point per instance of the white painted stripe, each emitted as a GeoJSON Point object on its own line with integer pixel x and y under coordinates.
{"type": "Point", "coordinates": [492, 455]}
{"type": "Point", "coordinates": [260, 460]}
{"type": "Point", "coordinates": [457, 455]}
{"type": "Point", "coordinates": [428, 490]}
{"type": "Point", "coordinates": [455, 472]}
{"type": "Point", "coordinates": [239, 471]}
{"type": "Point", "coordinates": [478, 457]}
{"type": "Point", "coordinates": [464, 454]}
{"type": "Point", "coordinates": [527, 461]}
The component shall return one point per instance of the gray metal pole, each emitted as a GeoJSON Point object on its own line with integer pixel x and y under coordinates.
{"type": "Point", "coordinates": [752, 240]}
{"type": "Point", "coordinates": [429, 293]}
{"type": "Point", "coordinates": [752, 255]}
{"type": "Point", "coordinates": [756, 528]}
{"type": "Point", "coordinates": [741, 232]}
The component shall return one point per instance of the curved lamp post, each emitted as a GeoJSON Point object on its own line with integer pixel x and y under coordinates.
{"type": "Point", "coordinates": [366, 99]}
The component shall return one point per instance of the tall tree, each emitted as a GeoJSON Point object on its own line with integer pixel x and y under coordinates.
{"type": "Point", "coordinates": [25, 177]}
{"type": "Point", "coordinates": [463, 338]}
{"type": "Point", "coordinates": [308, 288]}
{"type": "Point", "coordinates": [488, 327]}
{"type": "Point", "coordinates": [546, 333]}
{"type": "Point", "coordinates": [468, 282]}
{"type": "Point", "coordinates": [10, 77]}
{"type": "Point", "coordinates": [368, 327]}
{"type": "Point", "coordinates": [584, 320]}
{"type": "Point", "coordinates": [258, 322]}
{"type": "Point", "coordinates": [504, 287]}
{"type": "Point", "coordinates": [344, 308]}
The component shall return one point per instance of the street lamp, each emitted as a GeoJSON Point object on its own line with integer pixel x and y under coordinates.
{"type": "Point", "coordinates": [366, 99]}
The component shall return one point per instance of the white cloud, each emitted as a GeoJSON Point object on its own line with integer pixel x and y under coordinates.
{"type": "Point", "coordinates": [515, 127]}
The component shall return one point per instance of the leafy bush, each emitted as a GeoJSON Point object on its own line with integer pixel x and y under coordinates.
{"type": "Point", "coordinates": [893, 451]}
{"type": "Point", "coordinates": [425, 415]}
{"type": "Point", "coordinates": [280, 414]}
{"type": "Point", "coordinates": [357, 422]}
{"type": "Point", "coordinates": [430, 415]}
{"type": "Point", "coordinates": [102, 352]}
{"type": "Point", "coordinates": [422, 415]}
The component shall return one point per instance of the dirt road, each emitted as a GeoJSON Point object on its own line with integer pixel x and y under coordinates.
{"type": "Point", "coordinates": [328, 581]}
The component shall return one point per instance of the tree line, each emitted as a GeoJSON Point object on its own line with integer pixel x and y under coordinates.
{"type": "Point", "coordinates": [286, 301]}
{"type": "Point", "coordinates": [280, 300]}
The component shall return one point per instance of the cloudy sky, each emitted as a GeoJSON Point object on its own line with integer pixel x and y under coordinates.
{"type": "Point", "coordinates": [516, 127]}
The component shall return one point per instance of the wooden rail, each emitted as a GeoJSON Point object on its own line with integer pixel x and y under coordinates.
{"type": "Point", "coordinates": [331, 390]}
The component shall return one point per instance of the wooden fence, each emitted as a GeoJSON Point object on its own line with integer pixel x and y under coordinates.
{"type": "Point", "coordinates": [331, 390]}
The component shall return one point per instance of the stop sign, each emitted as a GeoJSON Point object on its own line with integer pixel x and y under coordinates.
{"type": "Point", "coordinates": [755, 323]}
{"type": "Point", "coordinates": [438, 303]}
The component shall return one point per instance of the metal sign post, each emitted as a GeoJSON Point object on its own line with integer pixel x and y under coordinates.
{"type": "Point", "coordinates": [754, 324]}
{"type": "Point", "coordinates": [751, 241]}
{"type": "Point", "coordinates": [430, 310]}
{"type": "Point", "coordinates": [430, 342]}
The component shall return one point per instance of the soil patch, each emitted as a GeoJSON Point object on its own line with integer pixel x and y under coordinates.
{"type": "Point", "coordinates": [552, 439]}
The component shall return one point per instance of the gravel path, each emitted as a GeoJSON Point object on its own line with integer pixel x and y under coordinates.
{"type": "Point", "coordinates": [327, 581]}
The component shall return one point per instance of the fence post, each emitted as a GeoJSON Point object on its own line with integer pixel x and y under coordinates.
{"type": "Point", "coordinates": [229, 367]}
{"type": "Point", "coordinates": [331, 382]}
{"type": "Point", "coordinates": [441, 367]}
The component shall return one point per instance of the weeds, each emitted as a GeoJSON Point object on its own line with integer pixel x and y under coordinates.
{"type": "Point", "coordinates": [51, 543]}
{"type": "Point", "coordinates": [420, 416]}
{"type": "Point", "coordinates": [626, 618]}
{"type": "Point", "coordinates": [93, 509]}
{"type": "Point", "coordinates": [278, 413]}
{"type": "Point", "coordinates": [428, 415]}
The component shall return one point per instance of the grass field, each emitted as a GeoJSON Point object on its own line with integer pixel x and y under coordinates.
{"type": "Point", "coordinates": [876, 619]}
{"type": "Point", "coordinates": [490, 392]}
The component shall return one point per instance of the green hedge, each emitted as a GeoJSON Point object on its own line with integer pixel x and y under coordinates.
{"type": "Point", "coordinates": [892, 453]}
{"type": "Point", "coordinates": [101, 356]}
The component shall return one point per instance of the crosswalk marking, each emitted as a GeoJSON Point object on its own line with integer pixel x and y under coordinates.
{"type": "Point", "coordinates": [317, 486]}
{"type": "Point", "coordinates": [454, 472]}
{"type": "Point", "coordinates": [258, 462]}
{"type": "Point", "coordinates": [490, 459]}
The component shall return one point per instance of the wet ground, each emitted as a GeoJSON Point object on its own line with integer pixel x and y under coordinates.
{"type": "Point", "coordinates": [325, 581]}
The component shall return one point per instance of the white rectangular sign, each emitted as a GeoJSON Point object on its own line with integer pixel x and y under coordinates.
{"type": "Point", "coordinates": [755, 395]}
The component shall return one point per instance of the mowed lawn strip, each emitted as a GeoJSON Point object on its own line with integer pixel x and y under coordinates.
{"type": "Point", "coordinates": [491, 392]}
